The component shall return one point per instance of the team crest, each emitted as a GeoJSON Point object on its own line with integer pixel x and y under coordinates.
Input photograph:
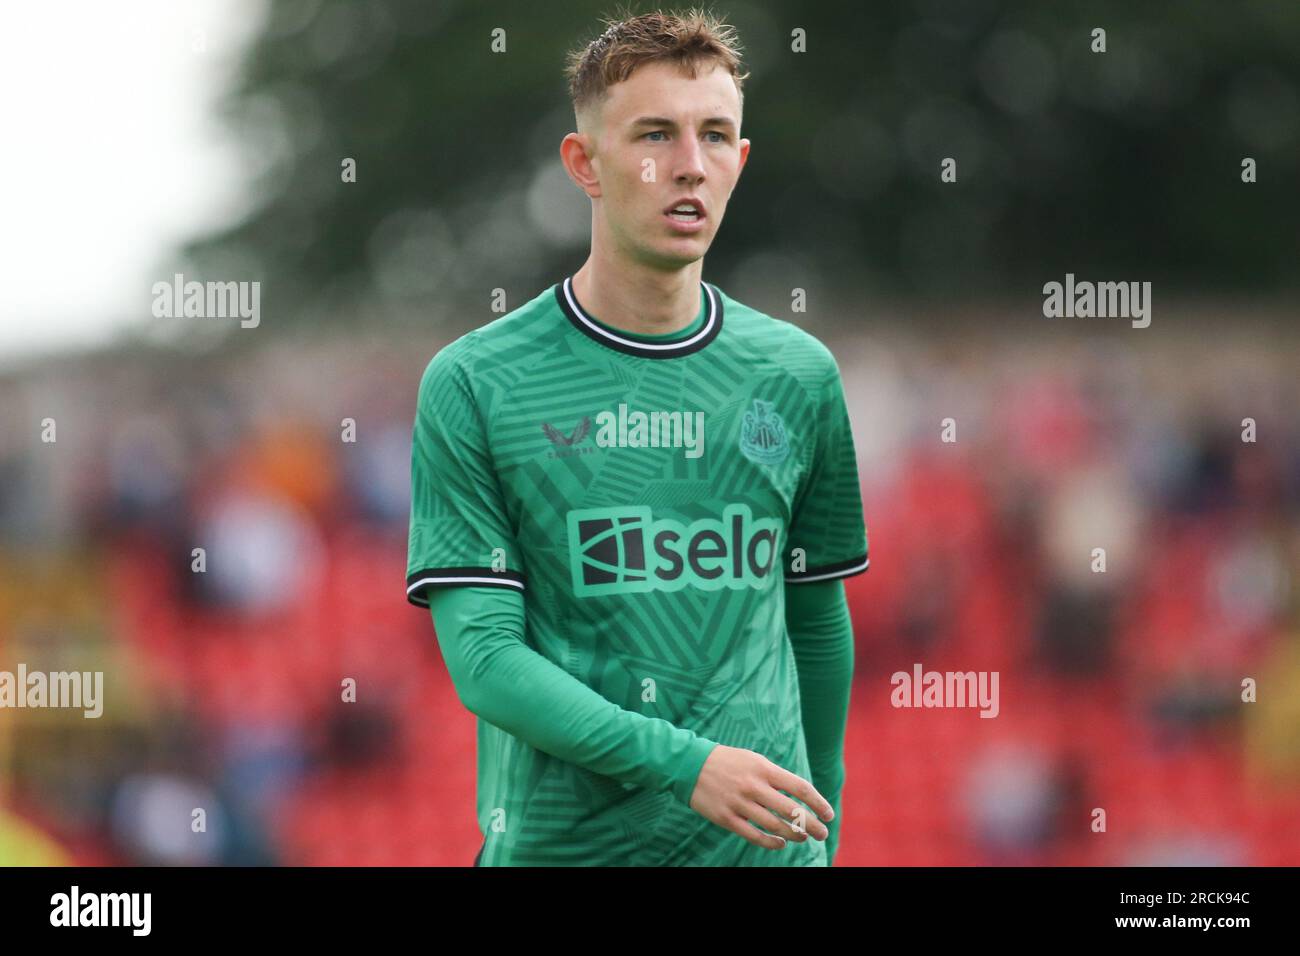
{"type": "Point", "coordinates": [762, 435]}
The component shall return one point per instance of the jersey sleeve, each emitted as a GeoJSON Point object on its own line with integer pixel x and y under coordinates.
{"type": "Point", "coordinates": [460, 532]}
{"type": "Point", "coordinates": [510, 685]}
{"type": "Point", "coordinates": [821, 636]}
{"type": "Point", "coordinates": [828, 535]}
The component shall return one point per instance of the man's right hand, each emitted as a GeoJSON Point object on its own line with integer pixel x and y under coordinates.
{"type": "Point", "coordinates": [736, 786]}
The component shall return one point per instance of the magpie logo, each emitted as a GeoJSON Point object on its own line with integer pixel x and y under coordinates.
{"type": "Point", "coordinates": [625, 550]}
{"type": "Point", "coordinates": [763, 436]}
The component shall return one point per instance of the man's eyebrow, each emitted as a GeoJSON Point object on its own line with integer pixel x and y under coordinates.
{"type": "Point", "coordinates": [665, 121]}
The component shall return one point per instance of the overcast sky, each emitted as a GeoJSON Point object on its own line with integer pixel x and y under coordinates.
{"type": "Point", "coordinates": [112, 155]}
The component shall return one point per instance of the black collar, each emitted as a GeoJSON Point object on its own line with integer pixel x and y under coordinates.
{"type": "Point", "coordinates": [585, 324]}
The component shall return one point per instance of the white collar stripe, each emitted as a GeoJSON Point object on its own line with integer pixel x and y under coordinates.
{"type": "Point", "coordinates": [598, 331]}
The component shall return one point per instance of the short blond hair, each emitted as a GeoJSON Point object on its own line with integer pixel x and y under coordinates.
{"type": "Point", "coordinates": [692, 39]}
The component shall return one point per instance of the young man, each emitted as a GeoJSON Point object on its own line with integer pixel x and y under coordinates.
{"type": "Point", "coordinates": [633, 499]}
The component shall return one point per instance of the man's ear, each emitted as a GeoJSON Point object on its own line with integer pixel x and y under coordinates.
{"type": "Point", "coordinates": [577, 152]}
{"type": "Point", "coordinates": [744, 158]}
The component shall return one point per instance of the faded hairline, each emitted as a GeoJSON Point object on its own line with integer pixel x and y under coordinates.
{"type": "Point", "coordinates": [589, 117]}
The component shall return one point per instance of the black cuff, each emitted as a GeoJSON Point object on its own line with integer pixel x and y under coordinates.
{"type": "Point", "coordinates": [828, 572]}
{"type": "Point", "coordinates": [458, 577]}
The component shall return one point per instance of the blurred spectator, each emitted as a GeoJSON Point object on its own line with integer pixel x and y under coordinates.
{"type": "Point", "coordinates": [259, 551]}
{"type": "Point", "coordinates": [154, 818]}
{"type": "Point", "coordinates": [378, 473]}
{"type": "Point", "coordinates": [1011, 797]}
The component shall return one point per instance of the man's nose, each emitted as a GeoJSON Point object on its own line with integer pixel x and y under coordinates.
{"type": "Point", "coordinates": [689, 160]}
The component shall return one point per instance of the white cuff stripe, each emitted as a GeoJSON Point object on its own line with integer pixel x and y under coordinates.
{"type": "Point", "coordinates": [843, 572]}
{"type": "Point", "coordinates": [464, 580]}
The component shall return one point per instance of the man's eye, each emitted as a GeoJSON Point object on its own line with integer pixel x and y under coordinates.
{"type": "Point", "coordinates": [722, 137]}
{"type": "Point", "coordinates": [656, 132]}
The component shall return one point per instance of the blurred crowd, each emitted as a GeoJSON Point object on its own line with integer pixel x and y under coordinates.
{"type": "Point", "coordinates": [223, 535]}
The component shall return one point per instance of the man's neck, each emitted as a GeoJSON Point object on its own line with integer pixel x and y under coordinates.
{"type": "Point", "coordinates": [640, 301]}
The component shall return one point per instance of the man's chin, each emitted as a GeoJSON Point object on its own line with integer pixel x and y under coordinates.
{"type": "Point", "coordinates": [685, 250]}
{"type": "Point", "coordinates": [675, 262]}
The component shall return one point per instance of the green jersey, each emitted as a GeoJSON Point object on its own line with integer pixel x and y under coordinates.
{"type": "Point", "coordinates": [650, 498]}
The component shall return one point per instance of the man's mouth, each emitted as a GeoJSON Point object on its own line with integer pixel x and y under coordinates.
{"type": "Point", "coordinates": [686, 210]}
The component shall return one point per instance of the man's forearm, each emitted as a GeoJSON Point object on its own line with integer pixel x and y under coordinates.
{"type": "Point", "coordinates": [821, 635]}
{"type": "Point", "coordinates": [505, 682]}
